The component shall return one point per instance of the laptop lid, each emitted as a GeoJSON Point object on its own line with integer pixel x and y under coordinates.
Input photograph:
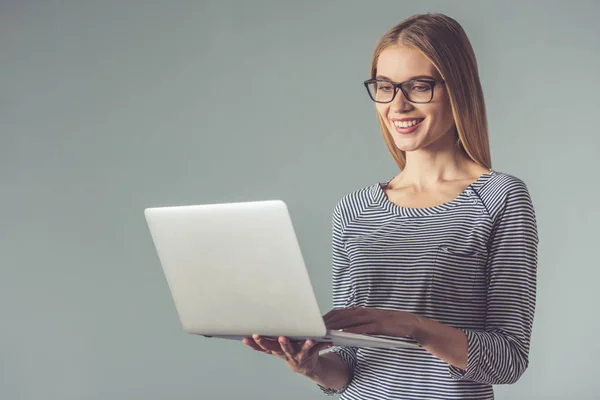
{"type": "Point", "coordinates": [235, 269]}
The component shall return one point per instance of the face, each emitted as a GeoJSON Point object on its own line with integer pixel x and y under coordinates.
{"type": "Point", "coordinates": [434, 121]}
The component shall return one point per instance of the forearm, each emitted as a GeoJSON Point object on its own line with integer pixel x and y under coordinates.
{"type": "Point", "coordinates": [330, 372]}
{"type": "Point", "coordinates": [443, 341]}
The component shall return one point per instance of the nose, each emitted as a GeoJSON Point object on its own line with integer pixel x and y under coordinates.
{"type": "Point", "coordinates": [400, 103]}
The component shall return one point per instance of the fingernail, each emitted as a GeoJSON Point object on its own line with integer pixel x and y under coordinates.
{"type": "Point", "coordinates": [255, 336]}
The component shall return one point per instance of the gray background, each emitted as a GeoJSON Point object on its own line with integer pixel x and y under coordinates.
{"type": "Point", "coordinates": [107, 107]}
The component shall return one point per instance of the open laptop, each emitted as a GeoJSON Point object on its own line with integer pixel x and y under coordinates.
{"type": "Point", "coordinates": [235, 269]}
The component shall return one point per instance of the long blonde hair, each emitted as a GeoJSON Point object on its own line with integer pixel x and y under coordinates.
{"type": "Point", "coordinates": [444, 42]}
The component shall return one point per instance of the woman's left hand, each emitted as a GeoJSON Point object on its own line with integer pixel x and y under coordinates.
{"type": "Point", "coordinates": [371, 321]}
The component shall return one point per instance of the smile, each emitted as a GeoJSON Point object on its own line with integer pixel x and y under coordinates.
{"type": "Point", "coordinates": [407, 123]}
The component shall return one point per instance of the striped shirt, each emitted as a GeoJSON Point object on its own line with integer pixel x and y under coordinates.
{"type": "Point", "coordinates": [469, 263]}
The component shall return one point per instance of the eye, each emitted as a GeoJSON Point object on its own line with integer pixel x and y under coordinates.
{"type": "Point", "coordinates": [384, 87]}
{"type": "Point", "coordinates": [420, 87]}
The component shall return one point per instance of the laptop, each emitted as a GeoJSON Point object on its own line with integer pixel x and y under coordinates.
{"type": "Point", "coordinates": [236, 269]}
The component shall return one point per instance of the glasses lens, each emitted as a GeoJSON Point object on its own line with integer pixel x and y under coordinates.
{"type": "Point", "coordinates": [381, 91]}
{"type": "Point", "coordinates": [419, 92]}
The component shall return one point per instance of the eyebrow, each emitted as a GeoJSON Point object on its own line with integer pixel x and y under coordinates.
{"type": "Point", "coordinates": [409, 79]}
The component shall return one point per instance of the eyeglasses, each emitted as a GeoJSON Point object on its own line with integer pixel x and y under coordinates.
{"type": "Point", "coordinates": [415, 90]}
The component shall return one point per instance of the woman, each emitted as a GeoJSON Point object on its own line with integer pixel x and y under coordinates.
{"type": "Point", "coordinates": [444, 254]}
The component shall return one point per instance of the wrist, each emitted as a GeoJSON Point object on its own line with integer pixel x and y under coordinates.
{"type": "Point", "coordinates": [314, 372]}
{"type": "Point", "coordinates": [417, 328]}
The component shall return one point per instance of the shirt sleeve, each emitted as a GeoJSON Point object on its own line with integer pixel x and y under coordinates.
{"type": "Point", "coordinates": [500, 353]}
{"type": "Point", "coordinates": [342, 293]}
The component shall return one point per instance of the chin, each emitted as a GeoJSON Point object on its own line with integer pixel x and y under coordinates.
{"type": "Point", "coordinates": [407, 149]}
{"type": "Point", "coordinates": [406, 144]}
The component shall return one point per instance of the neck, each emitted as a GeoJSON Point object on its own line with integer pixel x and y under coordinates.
{"type": "Point", "coordinates": [437, 163]}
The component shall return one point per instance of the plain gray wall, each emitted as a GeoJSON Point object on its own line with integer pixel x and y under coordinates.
{"type": "Point", "coordinates": [107, 107]}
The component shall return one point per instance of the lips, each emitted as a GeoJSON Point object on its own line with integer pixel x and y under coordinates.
{"type": "Point", "coordinates": [407, 125]}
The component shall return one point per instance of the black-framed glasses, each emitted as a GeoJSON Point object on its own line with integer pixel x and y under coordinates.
{"type": "Point", "coordinates": [415, 90]}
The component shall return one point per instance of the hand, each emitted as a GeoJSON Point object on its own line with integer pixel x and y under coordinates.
{"type": "Point", "coordinates": [301, 357]}
{"type": "Point", "coordinates": [372, 321]}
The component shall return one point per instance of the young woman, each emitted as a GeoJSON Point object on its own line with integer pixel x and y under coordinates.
{"type": "Point", "coordinates": [444, 254]}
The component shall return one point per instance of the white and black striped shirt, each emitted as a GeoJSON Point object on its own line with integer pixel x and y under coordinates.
{"type": "Point", "coordinates": [469, 263]}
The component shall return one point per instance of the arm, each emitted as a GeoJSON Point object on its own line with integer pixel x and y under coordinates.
{"type": "Point", "coordinates": [331, 373]}
{"type": "Point", "coordinates": [335, 369]}
{"type": "Point", "coordinates": [443, 341]}
{"type": "Point", "coordinates": [500, 353]}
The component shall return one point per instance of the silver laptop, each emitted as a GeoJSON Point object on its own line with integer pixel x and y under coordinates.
{"type": "Point", "coordinates": [236, 269]}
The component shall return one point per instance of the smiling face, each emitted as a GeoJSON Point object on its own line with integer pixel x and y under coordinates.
{"type": "Point", "coordinates": [414, 126]}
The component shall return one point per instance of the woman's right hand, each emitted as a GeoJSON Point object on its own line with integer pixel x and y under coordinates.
{"type": "Point", "coordinates": [301, 357]}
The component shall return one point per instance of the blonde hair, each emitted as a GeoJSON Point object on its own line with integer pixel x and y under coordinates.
{"type": "Point", "coordinates": [444, 42]}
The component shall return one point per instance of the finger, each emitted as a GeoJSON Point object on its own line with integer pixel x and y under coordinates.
{"type": "Point", "coordinates": [308, 344]}
{"type": "Point", "coordinates": [286, 347]}
{"type": "Point", "coordinates": [251, 343]}
{"type": "Point", "coordinates": [336, 312]}
{"type": "Point", "coordinates": [305, 350]}
{"type": "Point", "coordinates": [317, 348]}
{"type": "Point", "coordinates": [255, 346]}
{"type": "Point", "coordinates": [311, 347]}
{"type": "Point", "coordinates": [343, 313]}
{"type": "Point", "coordinates": [266, 345]}
{"type": "Point", "coordinates": [343, 310]}
{"type": "Point", "coordinates": [348, 322]}
{"type": "Point", "coordinates": [362, 329]}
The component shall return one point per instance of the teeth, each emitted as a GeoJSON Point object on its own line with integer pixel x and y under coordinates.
{"type": "Point", "coordinates": [406, 124]}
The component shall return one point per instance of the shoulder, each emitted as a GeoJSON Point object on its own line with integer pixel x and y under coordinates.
{"type": "Point", "coordinates": [353, 204]}
{"type": "Point", "coordinates": [502, 184]}
{"type": "Point", "coordinates": [504, 191]}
